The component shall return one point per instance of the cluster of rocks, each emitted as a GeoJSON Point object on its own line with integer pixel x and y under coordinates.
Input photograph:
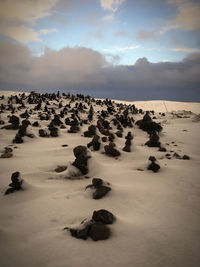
{"type": "Point", "coordinates": [16, 184]}
{"type": "Point", "coordinates": [96, 228]}
{"type": "Point", "coordinates": [100, 187]}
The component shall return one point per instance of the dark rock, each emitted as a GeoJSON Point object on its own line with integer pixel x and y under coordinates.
{"type": "Point", "coordinates": [60, 168]}
{"type": "Point", "coordinates": [186, 157]}
{"type": "Point", "coordinates": [95, 143]}
{"type": "Point", "coordinates": [154, 167]}
{"type": "Point", "coordinates": [111, 151]}
{"type": "Point", "coordinates": [80, 152]}
{"type": "Point", "coordinates": [104, 139]}
{"type": "Point", "coordinates": [6, 155]}
{"type": "Point", "coordinates": [101, 191]}
{"type": "Point", "coordinates": [16, 183]}
{"type": "Point", "coordinates": [65, 145]}
{"type": "Point", "coordinates": [154, 140]}
{"type": "Point", "coordinates": [35, 124]}
{"type": "Point", "coordinates": [103, 216]}
{"type": "Point", "coordinates": [96, 182]}
{"type": "Point", "coordinates": [99, 231]}
{"type": "Point", "coordinates": [177, 156]}
{"type": "Point", "coordinates": [74, 129]}
{"type": "Point", "coordinates": [162, 149]}
{"type": "Point", "coordinates": [119, 134]}
{"type": "Point", "coordinates": [43, 133]}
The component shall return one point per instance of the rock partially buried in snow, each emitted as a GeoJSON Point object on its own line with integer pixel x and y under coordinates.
{"type": "Point", "coordinates": [60, 168]}
{"type": "Point", "coordinates": [100, 189]}
{"type": "Point", "coordinates": [16, 183]}
{"type": "Point", "coordinates": [103, 216]}
{"type": "Point", "coordinates": [153, 166]}
{"type": "Point", "coordinates": [99, 231]}
{"type": "Point", "coordinates": [81, 161]}
{"type": "Point", "coordinates": [96, 228]}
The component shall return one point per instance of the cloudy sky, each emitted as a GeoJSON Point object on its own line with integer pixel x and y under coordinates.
{"type": "Point", "coordinates": [123, 49]}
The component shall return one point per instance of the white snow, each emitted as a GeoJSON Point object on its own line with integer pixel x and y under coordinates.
{"type": "Point", "coordinates": [157, 214]}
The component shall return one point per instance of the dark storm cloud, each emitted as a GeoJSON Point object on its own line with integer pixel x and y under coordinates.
{"type": "Point", "coordinates": [87, 71]}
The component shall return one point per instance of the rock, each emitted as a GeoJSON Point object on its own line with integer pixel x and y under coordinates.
{"type": "Point", "coordinates": [119, 134]}
{"type": "Point", "coordinates": [35, 124]}
{"type": "Point", "coordinates": [154, 140]}
{"type": "Point", "coordinates": [8, 149]}
{"type": "Point", "coordinates": [80, 152]}
{"type": "Point", "coordinates": [91, 131]}
{"type": "Point", "coordinates": [16, 183]}
{"type": "Point", "coordinates": [104, 139]}
{"type": "Point", "coordinates": [103, 216]}
{"type": "Point", "coordinates": [18, 139]}
{"type": "Point", "coordinates": [101, 191]}
{"type": "Point", "coordinates": [96, 182]}
{"type": "Point", "coordinates": [53, 131]}
{"type": "Point", "coordinates": [60, 168]}
{"type": "Point", "coordinates": [65, 145]}
{"type": "Point", "coordinates": [43, 133]}
{"type": "Point", "coordinates": [80, 233]}
{"type": "Point", "coordinates": [99, 231]}
{"type": "Point", "coordinates": [177, 156]}
{"type": "Point", "coordinates": [95, 143]}
{"type": "Point", "coordinates": [74, 129]}
{"type": "Point", "coordinates": [162, 149]}
{"type": "Point", "coordinates": [153, 166]}
{"type": "Point", "coordinates": [186, 157]}
{"type": "Point", "coordinates": [6, 155]}
{"type": "Point", "coordinates": [111, 151]}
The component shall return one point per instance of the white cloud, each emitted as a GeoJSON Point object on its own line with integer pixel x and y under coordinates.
{"type": "Point", "coordinates": [186, 50]}
{"type": "Point", "coordinates": [18, 17]}
{"type": "Point", "coordinates": [22, 34]}
{"type": "Point", "coordinates": [47, 31]}
{"type": "Point", "coordinates": [111, 5]}
{"type": "Point", "coordinates": [127, 48]}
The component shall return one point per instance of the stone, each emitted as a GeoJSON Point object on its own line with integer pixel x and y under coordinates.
{"type": "Point", "coordinates": [111, 151]}
{"type": "Point", "coordinates": [96, 182]}
{"type": "Point", "coordinates": [43, 133]}
{"type": "Point", "coordinates": [99, 231]}
{"type": "Point", "coordinates": [162, 149]}
{"type": "Point", "coordinates": [16, 183]}
{"type": "Point", "coordinates": [80, 152]}
{"type": "Point", "coordinates": [103, 216]}
{"type": "Point", "coordinates": [6, 155]}
{"type": "Point", "coordinates": [186, 157]}
{"type": "Point", "coordinates": [60, 168]}
{"type": "Point", "coordinates": [101, 191]}
{"type": "Point", "coordinates": [154, 167]}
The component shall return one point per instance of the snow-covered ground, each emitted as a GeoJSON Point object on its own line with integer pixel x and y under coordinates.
{"type": "Point", "coordinates": [157, 214]}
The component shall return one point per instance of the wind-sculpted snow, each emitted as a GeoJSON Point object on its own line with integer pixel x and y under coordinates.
{"type": "Point", "coordinates": [65, 159]}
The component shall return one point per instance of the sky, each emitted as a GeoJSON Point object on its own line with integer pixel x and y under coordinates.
{"type": "Point", "coordinates": [121, 49]}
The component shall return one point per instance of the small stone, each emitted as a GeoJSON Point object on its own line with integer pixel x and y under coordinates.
{"type": "Point", "coordinates": [186, 157]}
{"type": "Point", "coordinates": [60, 169]}
{"type": "Point", "coordinates": [6, 155]}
